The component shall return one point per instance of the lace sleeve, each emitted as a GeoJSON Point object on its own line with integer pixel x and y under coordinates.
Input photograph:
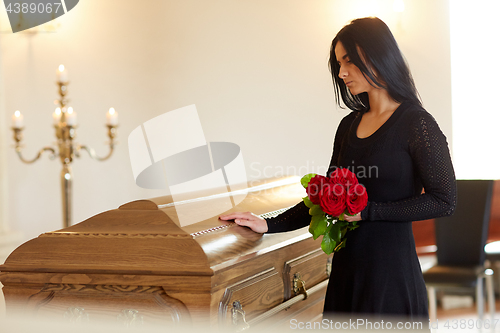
{"type": "Point", "coordinates": [433, 167]}
{"type": "Point", "coordinates": [292, 219]}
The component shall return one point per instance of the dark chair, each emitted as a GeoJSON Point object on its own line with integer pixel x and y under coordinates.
{"type": "Point", "coordinates": [493, 256]}
{"type": "Point", "coordinates": [460, 241]}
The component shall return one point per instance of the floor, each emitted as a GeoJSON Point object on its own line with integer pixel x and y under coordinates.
{"type": "Point", "coordinates": [465, 320]}
{"type": "Point", "coordinates": [462, 319]}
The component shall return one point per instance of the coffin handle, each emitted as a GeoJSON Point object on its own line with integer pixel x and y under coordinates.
{"type": "Point", "coordinates": [299, 285]}
{"type": "Point", "coordinates": [237, 310]}
{"type": "Point", "coordinates": [239, 317]}
{"type": "Point", "coordinates": [266, 315]}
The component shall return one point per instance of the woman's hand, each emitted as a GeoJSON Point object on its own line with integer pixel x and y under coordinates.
{"type": "Point", "coordinates": [247, 219]}
{"type": "Point", "coordinates": [353, 218]}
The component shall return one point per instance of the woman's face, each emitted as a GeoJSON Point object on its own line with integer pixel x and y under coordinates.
{"type": "Point", "coordinates": [350, 73]}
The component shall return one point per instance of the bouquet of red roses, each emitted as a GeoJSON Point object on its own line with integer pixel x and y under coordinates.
{"type": "Point", "coordinates": [329, 199]}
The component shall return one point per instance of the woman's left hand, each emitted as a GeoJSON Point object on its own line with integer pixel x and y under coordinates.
{"type": "Point", "coordinates": [353, 218]}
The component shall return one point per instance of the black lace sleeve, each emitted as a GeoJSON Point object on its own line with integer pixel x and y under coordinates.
{"type": "Point", "coordinates": [298, 216]}
{"type": "Point", "coordinates": [434, 169]}
{"type": "Point", "coordinates": [292, 219]}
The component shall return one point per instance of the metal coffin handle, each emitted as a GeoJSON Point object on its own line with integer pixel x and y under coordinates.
{"type": "Point", "coordinates": [300, 297]}
{"type": "Point", "coordinates": [299, 285]}
{"type": "Point", "coordinates": [238, 315]}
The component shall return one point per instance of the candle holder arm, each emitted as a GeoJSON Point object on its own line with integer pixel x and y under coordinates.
{"type": "Point", "coordinates": [92, 152]}
{"type": "Point", "coordinates": [52, 156]}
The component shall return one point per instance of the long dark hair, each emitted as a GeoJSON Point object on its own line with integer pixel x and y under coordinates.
{"type": "Point", "coordinates": [387, 68]}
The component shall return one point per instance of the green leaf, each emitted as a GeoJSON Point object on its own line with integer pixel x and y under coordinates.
{"type": "Point", "coordinates": [316, 210]}
{"type": "Point", "coordinates": [352, 227]}
{"type": "Point", "coordinates": [343, 231]}
{"type": "Point", "coordinates": [308, 202]}
{"type": "Point", "coordinates": [341, 217]}
{"type": "Point", "coordinates": [335, 233]}
{"type": "Point", "coordinates": [318, 226]}
{"type": "Point", "coordinates": [328, 244]}
{"type": "Point", "coordinates": [342, 224]}
{"type": "Point", "coordinates": [306, 179]}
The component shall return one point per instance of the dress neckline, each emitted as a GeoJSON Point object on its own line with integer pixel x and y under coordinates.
{"type": "Point", "coordinates": [381, 130]}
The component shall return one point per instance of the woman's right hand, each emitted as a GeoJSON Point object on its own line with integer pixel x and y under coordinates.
{"type": "Point", "coordinates": [247, 219]}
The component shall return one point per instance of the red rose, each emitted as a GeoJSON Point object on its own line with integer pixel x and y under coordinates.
{"type": "Point", "coordinates": [357, 198]}
{"type": "Point", "coordinates": [314, 188]}
{"type": "Point", "coordinates": [344, 177]}
{"type": "Point", "coordinates": [333, 199]}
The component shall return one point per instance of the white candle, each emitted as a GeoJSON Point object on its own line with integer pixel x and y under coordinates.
{"type": "Point", "coordinates": [62, 74]}
{"type": "Point", "coordinates": [112, 117]}
{"type": "Point", "coordinates": [57, 116]}
{"type": "Point", "coordinates": [17, 120]}
{"type": "Point", "coordinates": [70, 117]}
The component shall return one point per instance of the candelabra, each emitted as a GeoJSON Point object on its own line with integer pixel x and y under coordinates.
{"type": "Point", "coordinates": [66, 149]}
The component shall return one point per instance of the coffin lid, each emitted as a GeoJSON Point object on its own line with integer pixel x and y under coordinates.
{"type": "Point", "coordinates": [145, 237]}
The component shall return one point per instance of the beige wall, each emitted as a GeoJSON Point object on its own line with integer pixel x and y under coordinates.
{"type": "Point", "coordinates": [257, 71]}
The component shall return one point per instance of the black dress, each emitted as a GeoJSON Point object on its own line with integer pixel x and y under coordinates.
{"type": "Point", "coordinates": [378, 272]}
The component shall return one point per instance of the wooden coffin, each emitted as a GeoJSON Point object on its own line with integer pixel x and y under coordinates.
{"type": "Point", "coordinates": [136, 265]}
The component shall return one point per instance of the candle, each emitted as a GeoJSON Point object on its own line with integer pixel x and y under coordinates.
{"type": "Point", "coordinates": [57, 116]}
{"type": "Point", "coordinates": [17, 120]}
{"type": "Point", "coordinates": [62, 74]}
{"type": "Point", "coordinates": [70, 117]}
{"type": "Point", "coordinates": [112, 117]}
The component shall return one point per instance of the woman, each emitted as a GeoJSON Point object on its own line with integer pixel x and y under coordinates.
{"type": "Point", "coordinates": [390, 134]}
